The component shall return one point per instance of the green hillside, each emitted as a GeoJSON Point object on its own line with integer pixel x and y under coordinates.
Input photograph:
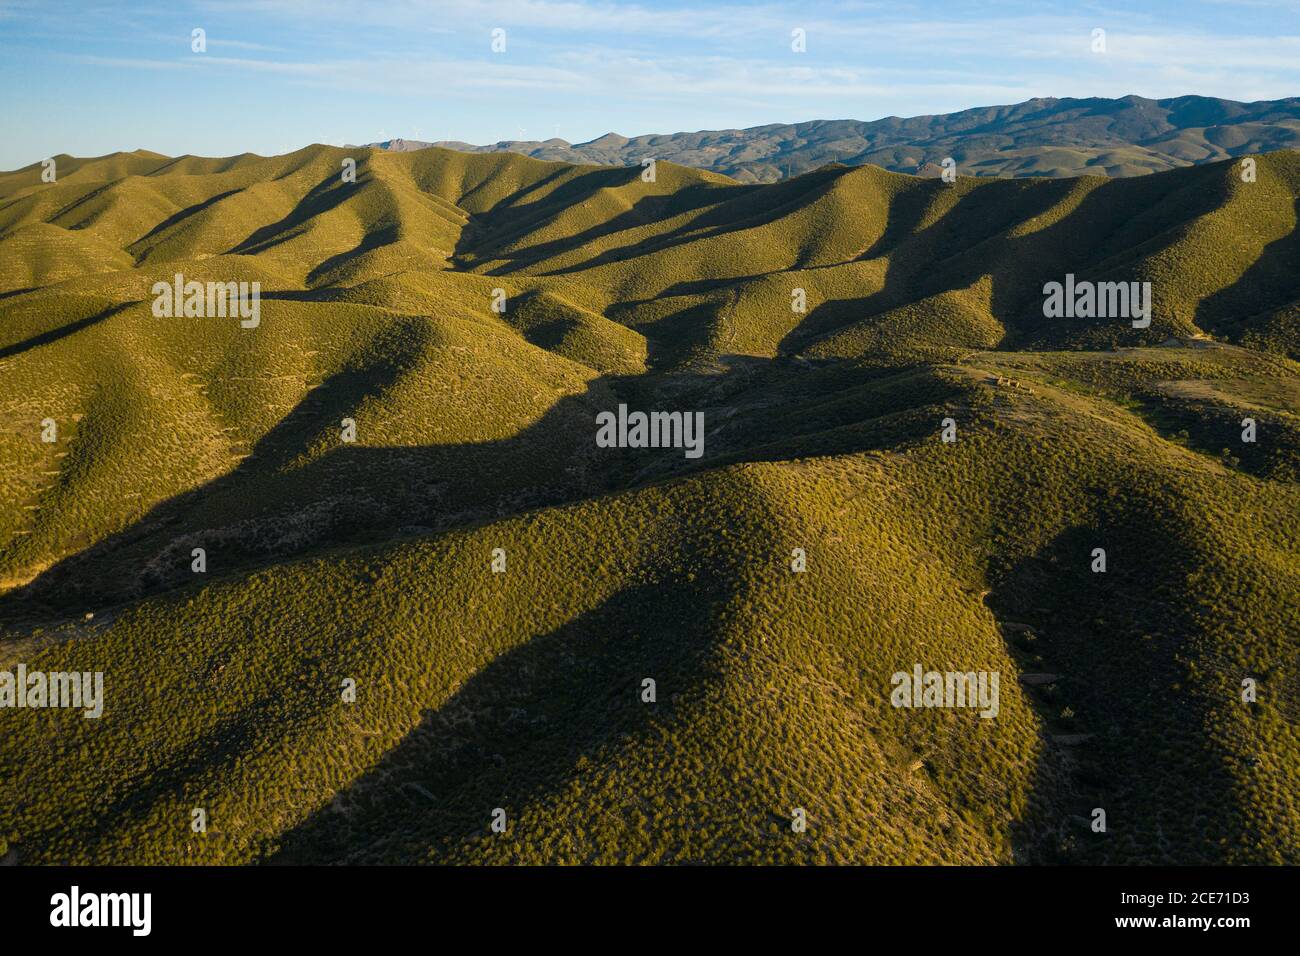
{"type": "Point", "coordinates": [330, 561]}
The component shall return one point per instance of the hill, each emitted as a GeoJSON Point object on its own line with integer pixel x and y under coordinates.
{"type": "Point", "coordinates": [831, 328]}
{"type": "Point", "coordinates": [1043, 137]}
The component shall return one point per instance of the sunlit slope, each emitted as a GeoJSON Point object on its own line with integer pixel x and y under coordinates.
{"type": "Point", "coordinates": [522, 690]}
{"type": "Point", "coordinates": [158, 415]}
{"type": "Point", "coordinates": [434, 342]}
{"type": "Point", "coordinates": [1216, 250]}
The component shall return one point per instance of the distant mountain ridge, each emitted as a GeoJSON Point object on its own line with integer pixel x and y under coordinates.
{"type": "Point", "coordinates": [1042, 137]}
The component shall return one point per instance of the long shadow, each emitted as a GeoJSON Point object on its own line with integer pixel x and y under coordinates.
{"type": "Point", "coordinates": [679, 335]}
{"type": "Point", "coordinates": [53, 335]}
{"type": "Point", "coordinates": [1271, 282]}
{"type": "Point", "coordinates": [688, 287]}
{"type": "Point", "coordinates": [739, 208]}
{"type": "Point", "coordinates": [321, 198]}
{"type": "Point", "coordinates": [907, 208]}
{"type": "Point", "coordinates": [516, 215]}
{"type": "Point", "coordinates": [1099, 238]}
{"type": "Point", "coordinates": [728, 207]}
{"type": "Point", "coordinates": [178, 217]}
{"type": "Point", "coordinates": [518, 731]}
{"type": "Point", "coordinates": [80, 200]}
{"type": "Point", "coordinates": [222, 745]}
{"type": "Point", "coordinates": [373, 239]}
{"type": "Point", "coordinates": [303, 489]}
{"type": "Point", "coordinates": [981, 218]}
{"type": "Point", "coordinates": [1126, 698]}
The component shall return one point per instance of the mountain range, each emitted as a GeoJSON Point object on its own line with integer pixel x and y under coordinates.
{"type": "Point", "coordinates": [364, 585]}
{"type": "Point", "coordinates": [1040, 137]}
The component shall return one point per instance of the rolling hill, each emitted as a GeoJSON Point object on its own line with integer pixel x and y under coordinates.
{"type": "Point", "coordinates": [496, 588]}
{"type": "Point", "coordinates": [1044, 137]}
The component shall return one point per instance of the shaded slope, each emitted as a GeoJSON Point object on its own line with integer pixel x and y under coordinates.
{"type": "Point", "coordinates": [371, 559]}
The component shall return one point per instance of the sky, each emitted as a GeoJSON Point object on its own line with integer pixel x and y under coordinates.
{"type": "Point", "coordinates": [93, 78]}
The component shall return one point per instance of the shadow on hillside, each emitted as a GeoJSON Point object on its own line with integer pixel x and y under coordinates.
{"type": "Point", "coordinates": [373, 239]}
{"type": "Point", "coordinates": [289, 497]}
{"type": "Point", "coordinates": [1124, 726]}
{"type": "Point", "coordinates": [224, 743]}
{"type": "Point", "coordinates": [63, 331]}
{"type": "Point", "coordinates": [327, 194]}
{"type": "Point", "coordinates": [728, 208]}
{"type": "Point", "coordinates": [734, 209]}
{"type": "Point", "coordinates": [519, 731]}
{"type": "Point", "coordinates": [516, 215]}
{"type": "Point", "coordinates": [1271, 282]}
{"type": "Point", "coordinates": [973, 239]}
{"type": "Point", "coordinates": [173, 220]}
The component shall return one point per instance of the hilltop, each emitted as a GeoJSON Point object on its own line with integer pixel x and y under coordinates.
{"type": "Point", "coordinates": [1042, 137]}
{"type": "Point", "coordinates": [372, 561]}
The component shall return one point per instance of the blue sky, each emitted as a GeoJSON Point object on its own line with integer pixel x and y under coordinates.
{"type": "Point", "coordinates": [91, 78]}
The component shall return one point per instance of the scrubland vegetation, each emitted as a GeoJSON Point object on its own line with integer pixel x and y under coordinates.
{"type": "Point", "coordinates": [371, 561]}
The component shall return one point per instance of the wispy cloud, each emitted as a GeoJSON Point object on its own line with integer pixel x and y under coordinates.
{"type": "Point", "coordinates": [593, 65]}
